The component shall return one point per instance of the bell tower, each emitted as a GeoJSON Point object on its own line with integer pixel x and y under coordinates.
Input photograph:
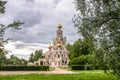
{"type": "Point", "coordinates": [59, 31]}
{"type": "Point", "coordinates": [59, 42]}
{"type": "Point", "coordinates": [57, 55]}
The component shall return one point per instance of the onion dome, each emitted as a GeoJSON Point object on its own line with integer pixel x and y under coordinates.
{"type": "Point", "coordinates": [50, 47]}
{"type": "Point", "coordinates": [59, 45]}
{"type": "Point", "coordinates": [59, 26]}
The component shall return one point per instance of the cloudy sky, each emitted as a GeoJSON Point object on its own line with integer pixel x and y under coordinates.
{"type": "Point", "coordinates": [41, 18]}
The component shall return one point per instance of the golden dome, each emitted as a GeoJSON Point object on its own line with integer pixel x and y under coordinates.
{"type": "Point", "coordinates": [59, 26]}
{"type": "Point", "coordinates": [50, 47]}
{"type": "Point", "coordinates": [59, 45]}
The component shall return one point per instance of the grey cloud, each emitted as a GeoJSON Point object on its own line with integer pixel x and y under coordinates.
{"type": "Point", "coordinates": [31, 1]}
{"type": "Point", "coordinates": [41, 18]}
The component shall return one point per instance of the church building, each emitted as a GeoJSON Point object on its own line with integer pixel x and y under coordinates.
{"type": "Point", "coordinates": [57, 55]}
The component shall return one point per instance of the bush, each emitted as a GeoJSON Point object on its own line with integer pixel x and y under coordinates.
{"type": "Point", "coordinates": [24, 68]}
{"type": "Point", "coordinates": [81, 67]}
{"type": "Point", "coordinates": [78, 67]}
{"type": "Point", "coordinates": [88, 67]}
{"type": "Point", "coordinates": [82, 60]}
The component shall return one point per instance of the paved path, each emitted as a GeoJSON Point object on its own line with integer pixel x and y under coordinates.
{"type": "Point", "coordinates": [56, 71]}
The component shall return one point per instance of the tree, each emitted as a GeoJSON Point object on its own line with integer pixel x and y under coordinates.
{"type": "Point", "coordinates": [3, 28]}
{"type": "Point", "coordinates": [80, 47]}
{"type": "Point", "coordinates": [36, 55]}
{"type": "Point", "coordinates": [2, 57]}
{"type": "Point", "coordinates": [69, 47]}
{"type": "Point", "coordinates": [98, 21]}
{"type": "Point", "coordinates": [15, 24]}
{"type": "Point", "coordinates": [80, 53]}
{"type": "Point", "coordinates": [2, 6]}
{"type": "Point", "coordinates": [13, 60]}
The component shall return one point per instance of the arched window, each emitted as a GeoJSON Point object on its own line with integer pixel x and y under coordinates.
{"type": "Point", "coordinates": [62, 62]}
{"type": "Point", "coordinates": [47, 62]}
{"type": "Point", "coordinates": [36, 63]}
{"type": "Point", "coordinates": [62, 55]}
{"type": "Point", "coordinates": [41, 62]}
{"type": "Point", "coordinates": [66, 62]}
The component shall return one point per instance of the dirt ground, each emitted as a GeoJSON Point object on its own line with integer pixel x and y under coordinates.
{"type": "Point", "coordinates": [55, 71]}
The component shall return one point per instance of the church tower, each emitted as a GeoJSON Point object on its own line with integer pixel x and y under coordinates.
{"type": "Point", "coordinates": [57, 56]}
{"type": "Point", "coordinates": [59, 42]}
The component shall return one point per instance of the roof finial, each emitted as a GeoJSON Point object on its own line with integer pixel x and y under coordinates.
{"type": "Point", "coordinates": [50, 47]}
{"type": "Point", "coordinates": [59, 26]}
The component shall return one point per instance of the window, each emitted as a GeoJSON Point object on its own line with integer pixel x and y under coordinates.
{"type": "Point", "coordinates": [36, 63]}
{"type": "Point", "coordinates": [47, 62]}
{"type": "Point", "coordinates": [62, 55]}
{"type": "Point", "coordinates": [41, 62]}
{"type": "Point", "coordinates": [62, 62]}
{"type": "Point", "coordinates": [65, 62]}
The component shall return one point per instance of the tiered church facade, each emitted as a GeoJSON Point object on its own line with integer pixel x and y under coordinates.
{"type": "Point", "coordinates": [57, 56]}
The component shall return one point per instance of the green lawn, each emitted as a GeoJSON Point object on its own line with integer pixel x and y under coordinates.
{"type": "Point", "coordinates": [84, 75]}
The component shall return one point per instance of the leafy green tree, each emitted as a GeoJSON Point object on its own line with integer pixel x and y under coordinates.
{"type": "Point", "coordinates": [98, 21]}
{"type": "Point", "coordinates": [80, 53]}
{"type": "Point", "coordinates": [82, 60]}
{"type": "Point", "coordinates": [69, 47]}
{"type": "Point", "coordinates": [81, 47]}
{"type": "Point", "coordinates": [3, 28]}
{"type": "Point", "coordinates": [36, 55]}
{"type": "Point", "coordinates": [2, 57]}
{"type": "Point", "coordinates": [24, 61]}
{"type": "Point", "coordinates": [31, 59]}
{"type": "Point", "coordinates": [13, 60]}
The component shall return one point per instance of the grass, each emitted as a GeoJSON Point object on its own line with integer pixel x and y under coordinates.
{"type": "Point", "coordinates": [88, 71]}
{"type": "Point", "coordinates": [84, 75]}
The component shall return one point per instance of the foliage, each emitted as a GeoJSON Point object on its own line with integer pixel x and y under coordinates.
{"type": "Point", "coordinates": [81, 47]}
{"type": "Point", "coordinates": [80, 53]}
{"type": "Point", "coordinates": [2, 6]}
{"type": "Point", "coordinates": [24, 68]}
{"type": "Point", "coordinates": [98, 21]}
{"type": "Point", "coordinates": [2, 57]}
{"type": "Point", "coordinates": [13, 60]}
{"type": "Point", "coordinates": [81, 67]}
{"type": "Point", "coordinates": [3, 28]}
{"type": "Point", "coordinates": [78, 67]}
{"type": "Point", "coordinates": [82, 60]}
{"type": "Point", "coordinates": [36, 55]}
{"type": "Point", "coordinates": [69, 47]}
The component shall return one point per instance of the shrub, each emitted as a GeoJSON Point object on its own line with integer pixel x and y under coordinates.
{"type": "Point", "coordinates": [78, 67]}
{"type": "Point", "coordinates": [24, 68]}
{"type": "Point", "coordinates": [81, 67]}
